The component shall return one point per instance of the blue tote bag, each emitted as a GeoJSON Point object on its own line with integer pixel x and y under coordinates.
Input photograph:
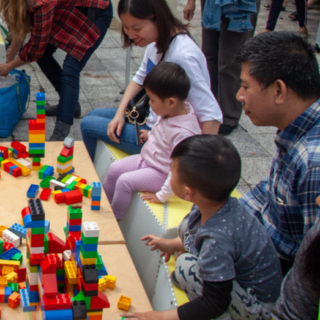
{"type": "Point", "coordinates": [13, 102]}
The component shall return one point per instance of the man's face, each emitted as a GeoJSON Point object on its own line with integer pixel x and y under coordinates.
{"type": "Point", "coordinates": [257, 103]}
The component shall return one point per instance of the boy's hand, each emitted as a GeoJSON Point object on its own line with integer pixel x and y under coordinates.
{"type": "Point", "coordinates": [144, 135]}
{"type": "Point", "coordinates": [153, 315]}
{"type": "Point", "coordinates": [150, 197]}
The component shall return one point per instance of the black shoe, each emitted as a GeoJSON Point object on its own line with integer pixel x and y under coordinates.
{"type": "Point", "coordinates": [51, 111]}
{"type": "Point", "coordinates": [61, 131]}
{"type": "Point", "coordinates": [226, 129]}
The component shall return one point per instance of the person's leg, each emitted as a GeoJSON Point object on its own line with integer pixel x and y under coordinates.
{"type": "Point", "coordinates": [70, 74]}
{"type": "Point", "coordinates": [95, 125]}
{"type": "Point", "coordinates": [144, 179]}
{"type": "Point", "coordinates": [229, 75]}
{"type": "Point", "coordinates": [116, 169]}
{"type": "Point", "coordinates": [275, 8]}
{"type": "Point", "coordinates": [210, 48]}
{"type": "Point", "coordinates": [50, 67]}
{"type": "Point", "coordinates": [301, 6]}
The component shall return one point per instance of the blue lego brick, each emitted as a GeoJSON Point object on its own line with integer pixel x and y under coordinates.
{"type": "Point", "coordinates": [60, 277]}
{"type": "Point", "coordinates": [34, 296]}
{"type": "Point", "coordinates": [15, 151]}
{"type": "Point", "coordinates": [40, 96]}
{"type": "Point", "coordinates": [27, 219]}
{"type": "Point", "coordinates": [11, 168]}
{"type": "Point", "coordinates": [95, 208]}
{"type": "Point", "coordinates": [25, 301]}
{"type": "Point", "coordinates": [65, 314]}
{"type": "Point", "coordinates": [69, 172]}
{"type": "Point", "coordinates": [48, 172]}
{"type": "Point", "coordinates": [89, 247]}
{"type": "Point", "coordinates": [7, 293]}
{"type": "Point", "coordinates": [95, 198]}
{"type": "Point", "coordinates": [65, 190]}
{"type": "Point", "coordinates": [103, 271]}
{"type": "Point", "coordinates": [51, 314]}
{"type": "Point", "coordinates": [35, 224]}
{"type": "Point", "coordinates": [74, 228]}
{"type": "Point", "coordinates": [46, 226]}
{"type": "Point", "coordinates": [96, 189]}
{"type": "Point", "coordinates": [35, 146]}
{"type": "Point", "coordinates": [9, 253]}
{"type": "Point", "coordinates": [19, 230]}
{"type": "Point", "coordinates": [33, 190]}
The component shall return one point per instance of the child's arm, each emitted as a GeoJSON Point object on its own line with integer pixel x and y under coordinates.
{"type": "Point", "coordinates": [152, 315]}
{"type": "Point", "coordinates": [144, 135]}
{"type": "Point", "coordinates": [166, 246]}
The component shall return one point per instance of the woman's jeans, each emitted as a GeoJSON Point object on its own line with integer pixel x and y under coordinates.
{"type": "Point", "coordinates": [95, 126]}
{"type": "Point", "coordinates": [66, 81]}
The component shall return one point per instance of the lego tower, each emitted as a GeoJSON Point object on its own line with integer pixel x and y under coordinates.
{"type": "Point", "coordinates": [65, 159]}
{"type": "Point", "coordinates": [37, 133]}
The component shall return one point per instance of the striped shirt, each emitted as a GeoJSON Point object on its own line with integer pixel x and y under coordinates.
{"type": "Point", "coordinates": [285, 202]}
{"type": "Point", "coordinates": [61, 24]}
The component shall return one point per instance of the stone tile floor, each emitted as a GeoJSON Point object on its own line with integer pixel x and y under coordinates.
{"type": "Point", "coordinates": [104, 77]}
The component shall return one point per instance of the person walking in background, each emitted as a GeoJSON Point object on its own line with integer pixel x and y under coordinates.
{"type": "Point", "coordinates": [225, 28]}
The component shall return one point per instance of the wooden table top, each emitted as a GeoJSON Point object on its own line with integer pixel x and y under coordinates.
{"type": "Point", "coordinates": [13, 196]}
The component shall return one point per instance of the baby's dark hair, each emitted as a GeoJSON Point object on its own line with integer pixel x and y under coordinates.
{"type": "Point", "coordinates": [168, 80]}
{"type": "Point", "coordinates": [210, 164]}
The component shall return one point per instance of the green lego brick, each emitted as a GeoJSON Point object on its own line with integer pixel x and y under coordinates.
{"type": "Point", "coordinates": [66, 178]}
{"type": "Point", "coordinates": [88, 254]}
{"type": "Point", "coordinates": [10, 149]}
{"type": "Point", "coordinates": [1, 247]}
{"type": "Point", "coordinates": [60, 272]}
{"type": "Point", "coordinates": [37, 151]}
{"type": "Point", "coordinates": [46, 243]}
{"type": "Point", "coordinates": [81, 297]}
{"type": "Point", "coordinates": [36, 159]}
{"type": "Point", "coordinates": [41, 111]}
{"type": "Point", "coordinates": [13, 286]}
{"type": "Point", "coordinates": [17, 257]}
{"type": "Point", "coordinates": [74, 213]}
{"type": "Point", "coordinates": [1, 159]}
{"type": "Point", "coordinates": [45, 183]}
{"type": "Point", "coordinates": [40, 103]}
{"type": "Point", "coordinates": [62, 159]}
{"type": "Point", "coordinates": [86, 191]}
{"type": "Point", "coordinates": [65, 230]}
{"type": "Point", "coordinates": [71, 186]}
{"type": "Point", "coordinates": [99, 263]}
{"type": "Point", "coordinates": [41, 171]}
{"type": "Point", "coordinates": [38, 231]}
{"type": "Point", "coordinates": [87, 240]}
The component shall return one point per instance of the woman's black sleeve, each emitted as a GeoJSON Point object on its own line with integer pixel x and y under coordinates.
{"type": "Point", "coordinates": [215, 299]}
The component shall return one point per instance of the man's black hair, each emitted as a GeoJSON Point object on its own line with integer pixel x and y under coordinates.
{"type": "Point", "coordinates": [168, 79]}
{"type": "Point", "coordinates": [284, 56]}
{"type": "Point", "coordinates": [210, 164]}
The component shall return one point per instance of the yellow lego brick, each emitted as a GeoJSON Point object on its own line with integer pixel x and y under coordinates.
{"type": "Point", "coordinates": [64, 170]}
{"type": "Point", "coordinates": [3, 281]}
{"type": "Point", "coordinates": [124, 303]}
{"type": "Point", "coordinates": [6, 270]}
{"type": "Point", "coordinates": [87, 260]}
{"type": "Point", "coordinates": [24, 170]}
{"type": "Point", "coordinates": [94, 313]}
{"type": "Point", "coordinates": [37, 138]}
{"type": "Point", "coordinates": [82, 187]}
{"type": "Point", "coordinates": [12, 277]}
{"type": "Point", "coordinates": [111, 281]}
{"type": "Point", "coordinates": [14, 264]}
{"type": "Point", "coordinates": [37, 168]}
{"type": "Point", "coordinates": [54, 193]}
{"type": "Point", "coordinates": [3, 162]}
{"type": "Point", "coordinates": [10, 153]}
{"type": "Point", "coordinates": [2, 228]}
{"type": "Point", "coordinates": [89, 193]}
{"type": "Point", "coordinates": [70, 272]}
{"type": "Point", "coordinates": [102, 286]}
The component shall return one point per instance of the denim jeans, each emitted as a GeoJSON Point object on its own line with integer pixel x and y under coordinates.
{"type": "Point", "coordinates": [66, 80]}
{"type": "Point", "coordinates": [95, 126]}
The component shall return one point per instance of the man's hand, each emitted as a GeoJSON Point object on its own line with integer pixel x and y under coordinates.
{"type": "Point", "coordinates": [188, 10]}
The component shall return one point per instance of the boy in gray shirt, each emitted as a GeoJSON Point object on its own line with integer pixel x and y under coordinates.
{"type": "Point", "coordinates": [230, 269]}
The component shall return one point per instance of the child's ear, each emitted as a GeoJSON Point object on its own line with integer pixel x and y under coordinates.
{"type": "Point", "coordinates": [172, 102]}
{"type": "Point", "coordinates": [189, 194]}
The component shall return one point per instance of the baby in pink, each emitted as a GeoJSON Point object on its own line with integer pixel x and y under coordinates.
{"type": "Point", "coordinates": [167, 86]}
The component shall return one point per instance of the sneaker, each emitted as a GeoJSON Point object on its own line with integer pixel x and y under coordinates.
{"type": "Point", "coordinates": [61, 131]}
{"type": "Point", "coordinates": [226, 129]}
{"type": "Point", "coordinates": [51, 111]}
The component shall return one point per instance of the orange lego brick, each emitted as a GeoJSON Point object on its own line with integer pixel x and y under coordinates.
{"type": "Point", "coordinates": [124, 303]}
{"type": "Point", "coordinates": [96, 203]}
{"type": "Point", "coordinates": [1, 294]}
{"type": "Point", "coordinates": [14, 300]}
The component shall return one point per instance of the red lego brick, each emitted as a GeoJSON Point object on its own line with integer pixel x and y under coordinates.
{"type": "Point", "coordinates": [34, 125]}
{"type": "Point", "coordinates": [66, 152]}
{"type": "Point", "coordinates": [7, 246]}
{"type": "Point", "coordinates": [49, 284]}
{"type": "Point", "coordinates": [74, 196]}
{"type": "Point", "coordinates": [36, 258]}
{"type": "Point", "coordinates": [18, 146]}
{"type": "Point", "coordinates": [60, 197]}
{"type": "Point", "coordinates": [55, 244]}
{"type": "Point", "coordinates": [25, 211]}
{"type": "Point", "coordinates": [99, 302]}
{"type": "Point", "coordinates": [17, 172]}
{"type": "Point", "coordinates": [2, 294]}
{"type": "Point", "coordinates": [24, 154]}
{"type": "Point", "coordinates": [58, 302]}
{"type": "Point", "coordinates": [7, 166]}
{"type": "Point", "coordinates": [4, 151]}
{"type": "Point", "coordinates": [88, 286]}
{"type": "Point", "coordinates": [45, 194]}
{"type": "Point", "coordinates": [84, 181]}
{"type": "Point", "coordinates": [74, 222]}
{"type": "Point", "coordinates": [36, 163]}
{"type": "Point", "coordinates": [48, 264]}
{"type": "Point", "coordinates": [36, 240]}
{"type": "Point", "coordinates": [21, 274]}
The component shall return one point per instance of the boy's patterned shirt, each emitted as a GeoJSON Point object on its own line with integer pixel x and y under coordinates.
{"type": "Point", "coordinates": [285, 202]}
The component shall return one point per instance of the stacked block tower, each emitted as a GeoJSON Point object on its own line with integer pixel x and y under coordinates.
{"type": "Point", "coordinates": [65, 159]}
{"type": "Point", "coordinates": [96, 196]}
{"type": "Point", "coordinates": [37, 133]}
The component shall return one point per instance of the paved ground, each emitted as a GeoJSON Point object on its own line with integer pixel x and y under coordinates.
{"type": "Point", "coordinates": [104, 78]}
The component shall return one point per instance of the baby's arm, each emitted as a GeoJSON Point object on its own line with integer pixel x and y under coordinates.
{"type": "Point", "coordinates": [166, 246]}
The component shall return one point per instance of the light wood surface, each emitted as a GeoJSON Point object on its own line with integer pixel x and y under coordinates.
{"type": "Point", "coordinates": [13, 196]}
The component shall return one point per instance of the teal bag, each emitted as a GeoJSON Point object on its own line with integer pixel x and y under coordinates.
{"type": "Point", "coordinates": [14, 101]}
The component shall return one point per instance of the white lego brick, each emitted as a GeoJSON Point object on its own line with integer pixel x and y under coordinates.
{"type": "Point", "coordinates": [24, 162]}
{"type": "Point", "coordinates": [69, 181]}
{"type": "Point", "coordinates": [10, 237]}
{"type": "Point", "coordinates": [64, 165]}
{"type": "Point", "coordinates": [90, 229]}
{"type": "Point", "coordinates": [68, 142]}
{"type": "Point", "coordinates": [33, 278]}
{"type": "Point", "coordinates": [54, 183]}
{"type": "Point", "coordinates": [66, 255]}
{"type": "Point", "coordinates": [36, 250]}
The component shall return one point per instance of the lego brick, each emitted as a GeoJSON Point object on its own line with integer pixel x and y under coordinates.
{"type": "Point", "coordinates": [99, 302]}
{"type": "Point", "coordinates": [124, 303]}
{"type": "Point", "coordinates": [66, 152]}
{"type": "Point", "coordinates": [37, 211]}
{"type": "Point", "coordinates": [90, 229]}
{"type": "Point", "coordinates": [56, 245]}
{"type": "Point", "coordinates": [54, 183]}
{"type": "Point", "coordinates": [57, 302]}
{"type": "Point", "coordinates": [90, 274]}
{"type": "Point", "coordinates": [68, 142]}
{"type": "Point", "coordinates": [79, 310]}
{"type": "Point", "coordinates": [18, 257]}
{"type": "Point", "coordinates": [48, 264]}
{"type": "Point", "coordinates": [10, 237]}
{"type": "Point", "coordinates": [21, 274]}
{"type": "Point", "coordinates": [45, 194]}
{"type": "Point", "coordinates": [2, 228]}
{"type": "Point", "coordinates": [7, 246]}
{"type": "Point", "coordinates": [25, 301]}
{"type": "Point", "coordinates": [110, 281]}
{"type": "Point", "coordinates": [19, 230]}
{"type": "Point", "coordinates": [45, 183]}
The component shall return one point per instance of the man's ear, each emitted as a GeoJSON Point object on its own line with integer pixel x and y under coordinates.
{"type": "Point", "coordinates": [189, 194]}
{"type": "Point", "coordinates": [281, 91]}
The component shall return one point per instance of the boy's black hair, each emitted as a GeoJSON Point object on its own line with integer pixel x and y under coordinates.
{"type": "Point", "coordinates": [168, 79]}
{"type": "Point", "coordinates": [284, 56]}
{"type": "Point", "coordinates": [210, 164]}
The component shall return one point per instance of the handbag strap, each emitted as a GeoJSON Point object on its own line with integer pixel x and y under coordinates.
{"type": "Point", "coordinates": [18, 91]}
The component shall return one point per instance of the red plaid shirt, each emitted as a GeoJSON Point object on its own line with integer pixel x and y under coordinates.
{"type": "Point", "coordinates": [60, 23]}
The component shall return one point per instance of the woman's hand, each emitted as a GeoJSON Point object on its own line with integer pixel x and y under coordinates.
{"type": "Point", "coordinates": [115, 127]}
{"type": "Point", "coordinates": [188, 10]}
{"type": "Point", "coordinates": [4, 69]}
{"type": "Point", "coordinates": [150, 197]}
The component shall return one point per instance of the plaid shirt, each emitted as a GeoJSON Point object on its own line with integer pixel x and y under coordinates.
{"type": "Point", "coordinates": [60, 23]}
{"type": "Point", "coordinates": [285, 203]}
